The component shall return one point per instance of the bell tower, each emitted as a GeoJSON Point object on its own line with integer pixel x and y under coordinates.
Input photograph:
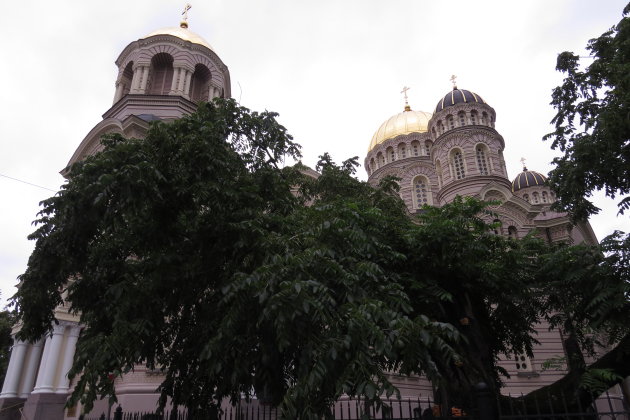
{"type": "Point", "coordinates": [161, 76]}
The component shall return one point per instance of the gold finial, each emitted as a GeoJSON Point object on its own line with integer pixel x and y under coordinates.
{"type": "Point", "coordinates": [523, 163]}
{"type": "Point", "coordinates": [404, 92]}
{"type": "Point", "coordinates": [184, 22]}
{"type": "Point", "coordinates": [454, 81]}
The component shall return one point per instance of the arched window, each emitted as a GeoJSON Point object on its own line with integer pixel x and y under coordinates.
{"type": "Point", "coordinates": [491, 121]}
{"type": "Point", "coordinates": [381, 159]}
{"type": "Point", "coordinates": [482, 162]}
{"type": "Point", "coordinates": [440, 127]}
{"type": "Point", "coordinates": [433, 131]}
{"type": "Point", "coordinates": [451, 122]}
{"type": "Point", "coordinates": [160, 74]}
{"type": "Point", "coordinates": [427, 147]}
{"type": "Point", "coordinates": [200, 84]}
{"type": "Point", "coordinates": [462, 119]}
{"type": "Point", "coordinates": [402, 150]}
{"type": "Point", "coordinates": [512, 233]}
{"type": "Point", "coordinates": [420, 192]}
{"type": "Point", "coordinates": [473, 117]}
{"type": "Point", "coordinates": [391, 156]}
{"type": "Point", "coordinates": [535, 199]}
{"type": "Point", "coordinates": [372, 164]}
{"type": "Point", "coordinates": [438, 169]}
{"type": "Point", "coordinates": [415, 147]}
{"type": "Point", "coordinates": [545, 198]}
{"type": "Point", "coordinates": [526, 197]}
{"type": "Point", "coordinates": [458, 164]}
{"type": "Point", "coordinates": [126, 78]}
{"type": "Point", "coordinates": [484, 119]}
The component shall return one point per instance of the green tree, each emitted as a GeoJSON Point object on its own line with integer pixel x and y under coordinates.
{"type": "Point", "coordinates": [192, 251]}
{"type": "Point", "coordinates": [189, 252]}
{"type": "Point", "coordinates": [6, 341]}
{"type": "Point", "coordinates": [592, 123]}
{"type": "Point", "coordinates": [592, 130]}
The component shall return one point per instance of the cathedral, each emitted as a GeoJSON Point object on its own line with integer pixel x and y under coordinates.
{"type": "Point", "coordinates": [455, 150]}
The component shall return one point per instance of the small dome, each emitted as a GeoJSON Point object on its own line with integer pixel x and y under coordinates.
{"type": "Point", "coordinates": [527, 179]}
{"type": "Point", "coordinates": [181, 32]}
{"type": "Point", "coordinates": [458, 96]}
{"type": "Point", "coordinates": [406, 122]}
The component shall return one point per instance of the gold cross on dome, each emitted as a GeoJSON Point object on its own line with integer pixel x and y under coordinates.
{"type": "Point", "coordinates": [523, 162]}
{"type": "Point", "coordinates": [454, 81]}
{"type": "Point", "coordinates": [404, 92]}
{"type": "Point", "coordinates": [185, 12]}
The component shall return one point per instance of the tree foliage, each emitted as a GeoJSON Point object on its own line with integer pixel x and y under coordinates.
{"type": "Point", "coordinates": [6, 341]}
{"type": "Point", "coordinates": [193, 252]}
{"type": "Point", "coordinates": [592, 123]}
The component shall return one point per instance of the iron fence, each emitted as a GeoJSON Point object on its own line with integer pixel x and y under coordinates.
{"type": "Point", "coordinates": [606, 407]}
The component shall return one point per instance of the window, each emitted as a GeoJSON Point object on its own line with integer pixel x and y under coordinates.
{"type": "Point", "coordinates": [200, 84]}
{"type": "Point", "coordinates": [526, 197]}
{"type": "Point", "coordinates": [438, 169]}
{"type": "Point", "coordinates": [415, 146]}
{"type": "Point", "coordinates": [391, 155]}
{"type": "Point", "coordinates": [451, 122]}
{"type": "Point", "coordinates": [484, 119]}
{"type": "Point", "coordinates": [473, 118]}
{"type": "Point", "coordinates": [523, 363]}
{"type": "Point", "coordinates": [381, 160]}
{"type": "Point", "coordinates": [433, 131]}
{"type": "Point", "coordinates": [462, 119]}
{"type": "Point", "coordinates": [440, 127]}
{"type": "Point", "coordinates": [458, 165]}
{"type": "Point", "coordinates": [402, 151]}
{"type": "Point", "coordinates": [427, 148]}
{"type": "Point", "coordinates": [372, 165]}
{"type": "Point", "coordinates": [482, 163]}
{"type": "Point", "coordinates": [512, 232]}
{"type": "Point", "coordinates": [420, 191]}
{"type": "Point", "coordinates": [535, 199]}
{"type": "Point", "coordinates": [545, 198]}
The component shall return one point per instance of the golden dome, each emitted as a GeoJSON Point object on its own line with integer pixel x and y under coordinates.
{"type": "Point", "coordinates": [406, 122]}
{"type": "Point", "coordinates": [181, 32]}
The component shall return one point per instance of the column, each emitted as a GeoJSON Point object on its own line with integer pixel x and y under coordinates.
{"type": "Point", "coordinates": [182, 80]}
{"type": "Point", "coordinates": [211, 93]}
{"type": "Point", "coordinates": [176, 75]}
{"type": "Point", "coordinates": [30, 370]}
{"type": "Point", "coordinates": [119, 90]}
{"type": "Point", "coordinates": [135, 80]}
{"type": "Point", "coordinates": [68, 356]}
{"type": "Point", "coordinates": [187, 84]}
{"type": "Point", "coordinates": [145, 78]}
{"type": "Point", "coordinates": [14, 371]}
{"type": "Point", "coordinates": [48, 366]}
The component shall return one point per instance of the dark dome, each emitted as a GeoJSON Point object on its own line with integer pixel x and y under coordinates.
{"type": "Point", "coordinates": [458, 96]}
{"type": "Point", "coordinates": [528, 179]}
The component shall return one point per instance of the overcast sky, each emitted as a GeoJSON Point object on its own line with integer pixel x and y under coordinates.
{"type": "Point", "coordinates": [333, 69]}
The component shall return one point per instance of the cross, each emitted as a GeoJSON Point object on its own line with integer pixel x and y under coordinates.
{"type": "Point", "coordinates": [185, 12]}
{"type": "Point", "coordinates": [453, 80]}
{"type": "Point", "coordinates": [523, 162]}
{"type": "Point", "coordinates": [404, 92]}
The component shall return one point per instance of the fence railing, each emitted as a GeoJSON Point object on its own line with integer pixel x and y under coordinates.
{"type": "Point", "coordinates": [606, 407]}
